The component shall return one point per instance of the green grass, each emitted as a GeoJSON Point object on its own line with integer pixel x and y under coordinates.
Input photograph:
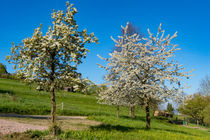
{"type": "Point", "coordinates": [15, 97]}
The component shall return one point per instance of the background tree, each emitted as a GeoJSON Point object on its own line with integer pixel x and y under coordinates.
{"type": "Point", "coordinates": [197, 106]}
{"type": "Point", "coordinates": [205, 86]}
{"type": "Point", "coordinates": [116, 93]}
{"type": "Point", "coordinates": [170, 108]}
{"type": "Point", "coordinates": [206, 113]}
{"type": "Point", "coordinates": [85, 86]}
{"type": "Point", "coordinates": [112, 96]}
{"type": "Point", "coordinates": [194, 107]}
{"type": "Point", "coordinates": [131, 29]}
{"type": "Point", "coordinates": [3, 69]}
{"type": "Point", "coordinates": [148, 69]}
{"type": "Point", "coordinates": [52, 59]}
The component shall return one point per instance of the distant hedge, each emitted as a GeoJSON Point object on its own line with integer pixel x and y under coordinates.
{"type": "Point", "coordinates": [9, 76]}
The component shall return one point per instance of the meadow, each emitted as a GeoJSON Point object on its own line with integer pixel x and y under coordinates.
{"type": "Point", "coordinates": [16, 97]}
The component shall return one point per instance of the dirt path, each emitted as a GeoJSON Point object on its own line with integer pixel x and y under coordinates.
{"type": "Point", "coordinates": [9, 126]}
{"type": "Point", "coordinates": [10, 123]}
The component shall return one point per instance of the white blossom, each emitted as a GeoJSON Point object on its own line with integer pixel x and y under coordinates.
{"type": "Point", "coordinates": [144, 68]}
{"type": "Point", "coordinates": [53, 55]}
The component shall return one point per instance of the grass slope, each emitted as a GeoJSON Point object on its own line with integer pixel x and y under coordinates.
{"type": "Point", "coordinates": [15, 97]}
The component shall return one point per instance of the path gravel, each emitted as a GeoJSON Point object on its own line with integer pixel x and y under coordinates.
{"type": "Point", "coordinates": [10, 123]}
{"type": "Point", "coordinates": [8, 126]}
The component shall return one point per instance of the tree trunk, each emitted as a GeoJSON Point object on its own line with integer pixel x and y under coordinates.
{"type": "Point", "coordinates": [53, 108]}
{"type": "Point", "coordinates": [52, 92]}
{"type": "Point", "coordinates": [147, 109]}
{"type": "Point", "coordinates": [118, 109]}
{"type": "Point", "coordinates": [132, 108]}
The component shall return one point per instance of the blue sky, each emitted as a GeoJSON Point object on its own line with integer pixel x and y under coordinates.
{"type": "Point", "coordinates": [104, 17]}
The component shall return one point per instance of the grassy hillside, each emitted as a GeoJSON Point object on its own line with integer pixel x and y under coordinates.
{"type": "Point", "coordinates": [15, 97]}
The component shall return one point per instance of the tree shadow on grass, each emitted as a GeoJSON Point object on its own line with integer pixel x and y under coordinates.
{"type": "Point", "coordinates": [109, 127]}
{"type": "Point", "coordinates": [6, 92]}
